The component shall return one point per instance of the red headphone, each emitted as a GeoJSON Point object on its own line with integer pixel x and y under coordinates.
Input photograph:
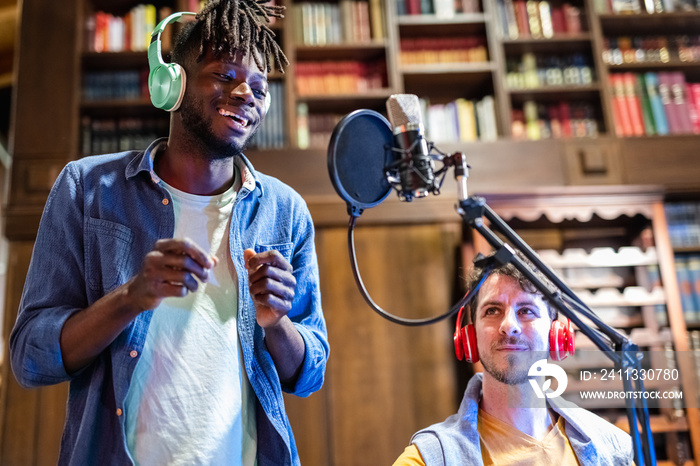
{"type": "Point", "coordinates": [561, 340]}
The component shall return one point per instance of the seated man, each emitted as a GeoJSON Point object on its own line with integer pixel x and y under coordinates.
{"type": "Point", "coordinates": [501, 420]}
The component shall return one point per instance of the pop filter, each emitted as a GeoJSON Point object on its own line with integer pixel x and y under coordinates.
{"type": "Point", "coordinates": [359, 150]}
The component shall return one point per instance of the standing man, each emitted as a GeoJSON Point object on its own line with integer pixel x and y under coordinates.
{"type": "Point", "coordinates": [501, 421]}
{"type": "Point", "coordinates": [176, 288]}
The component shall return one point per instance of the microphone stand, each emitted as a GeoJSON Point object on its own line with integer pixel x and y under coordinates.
{"type": "Point", "coordinates": [625, 355]}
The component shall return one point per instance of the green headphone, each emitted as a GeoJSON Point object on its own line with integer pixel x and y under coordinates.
{"type": "Point", "coordinates": [166, 81]}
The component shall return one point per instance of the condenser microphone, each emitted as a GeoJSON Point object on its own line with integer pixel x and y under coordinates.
{"type": "Point", "coordinates": [413, 169]}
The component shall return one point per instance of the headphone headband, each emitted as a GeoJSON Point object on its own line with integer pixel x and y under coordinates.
{"type": "Point", "coordinates": [155, 57]}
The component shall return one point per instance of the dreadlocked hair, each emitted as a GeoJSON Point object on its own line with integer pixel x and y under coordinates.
{"type": "Point", "coordinates": [230, 25]}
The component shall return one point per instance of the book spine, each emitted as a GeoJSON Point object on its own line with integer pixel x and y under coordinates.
{"type": "Point", "coordinates": [623, 124]}
{"type": "Point", "coordinates": [670, 109]}
{"type": "Point", "coordinates": [680, 100]}
{"type": "Point", "coordinates": [633, 104]}
{"type": "Point", "coordinates": [647, 114]}
{"type": "Point", "coordinates": [533, 18]}
{"type": "Point", "coordinates": [657, 107]}
{"type": "Point", "coordinates": [521, 18]}
{"type": "Point", "coordinates": [694, 101]}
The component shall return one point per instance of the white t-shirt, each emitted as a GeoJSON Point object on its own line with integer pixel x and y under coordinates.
{"type": "Point", "coordinates": [190, 401]}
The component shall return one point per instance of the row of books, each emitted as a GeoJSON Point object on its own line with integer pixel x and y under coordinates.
{"type": "Point", "coordinates": [683, 219]}
{"type": "Point", "coordinates": [654, 103]}
{"type": "Point", "coordinates": [108, 85]}
{"type": "Point", "coordinates": [434, 50]}
{"type": "Point", "coordinates": [271, 134]}
{"type": "Point", "coordinates": [651, 49]}
{"type": "Point", "coordinates": [520, 19]}
{"type": "Point", "coordinates": [688, 276]}
{"type": "Point", "coordinates": [108, 135]}
{"type": "Point", "coordinates": [131, 32]}
{"type": "Point", "coordinates": [532, 71]}
{"type": "Point", "coordinates": [347, 21]}
{"type": "Point", "coordinates": [555, 120]}
{"type": "Point", "coordinates": [460, 120]}
{"type": "Point", "coordinates": [649, 277]}
{"type": "Point", "coordinates": [339, 77]}
{"type": "Point", "coordinates": [645, 6]}
{"type": "Point", "coordinates": [314, 129]}
{"type": "Point", "coordinates": [440, 8]}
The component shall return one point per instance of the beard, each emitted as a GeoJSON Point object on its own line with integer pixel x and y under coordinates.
{"type": "Point", "coordinates": [518, 363]}
{"type": "Point", "coordinates": [199, 126]}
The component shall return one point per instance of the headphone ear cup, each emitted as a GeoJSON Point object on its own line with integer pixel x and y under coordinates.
{"type": "Point", "coordinates": [268, 101]}
{"type": "Point", "coordinates": [561, 340]}
{"type": "Point", "coordinates": [166, 84]}
{"type": "Point", "coordinates": [471, 353]}
{"type": "Point", "coordinates": [459, 348]}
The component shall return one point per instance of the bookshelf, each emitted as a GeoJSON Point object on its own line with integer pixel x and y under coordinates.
{"type": "Point", "coordinates": [611, 246]}
{"type": "Point", "coordinates": [606, 160]}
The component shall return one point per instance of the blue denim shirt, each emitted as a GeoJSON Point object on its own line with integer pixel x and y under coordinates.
{"type": "Point", "coordinates": [103, 215]}
{"type": "Point", "coordinates": [455, 441]}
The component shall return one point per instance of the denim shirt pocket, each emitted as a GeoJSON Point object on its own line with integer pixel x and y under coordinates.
{"type": "Point", "coordinates": [107, 247]}
{"type": "Point", "coordinates": [283, 248]}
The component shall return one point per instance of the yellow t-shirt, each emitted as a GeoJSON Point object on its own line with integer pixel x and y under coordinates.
{"type": "Point", "coordinates": [503, 444]}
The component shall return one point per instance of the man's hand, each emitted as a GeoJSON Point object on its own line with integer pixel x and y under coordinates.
{"type": "Point", "coordinates": [169, 271]}
{"type": "Point", "coordinates": [271, 285]}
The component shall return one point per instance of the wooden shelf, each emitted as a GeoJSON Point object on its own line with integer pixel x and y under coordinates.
{"type": "Point", "coordinates": [433, 20]}
{"type": "Point", "coordinates": [356, 51]}
{"type": "Point", "coordinates": [448, 68]}
{"type": "Point", "coordinates": [548, 93]}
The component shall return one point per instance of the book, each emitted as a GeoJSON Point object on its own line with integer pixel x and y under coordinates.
{"type": "Point", "coordinates": [490, 132]}
{"type": "Point", "coordinates": [565, 119]}
{"type": "Point", "coordinates": [694, 102]}
{"type": "Point", "coordinates": [572, 18]}
{"type": "Point", "coordinates": [532, 127]}
{"type": "Point", "coordinates": [694, 277]}
{"type": "Point", "coordinates": [621, 114]}
{"type": "Point", "coordinates": [558, 22]}
{"type": "Point", "coordinates": [678, 94]}
{"type": "Point", "coordinates": [533, 18]}
{"type": "Point", "coordinates": [521, 18]}
{"type": "Point", "coordinates": [685, 288]}
{"type": "Point", "coordinates": [376, 12]}
{"type": "Point", "coordinates": [511, 27]}
{"type": "Point", "coordinates": [633, 102]}
{"type": "Point", "coordinates": [546, 19]}
{"type": "Point", "coordinates": [657, 108]}
{"type": "Point", "coordinates": [426, 7]}
{"type": "Point", "coordinates": [670, 108]}
{"type": "Point", "coordinates": [467, 120]}
{"type": "Point", "coordinates": [444, 9]}
{"type": "Point", "coordinates": [647, 114]}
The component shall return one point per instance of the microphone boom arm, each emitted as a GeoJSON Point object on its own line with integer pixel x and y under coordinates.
{"type": "Point", "coordinates": [616, 346]}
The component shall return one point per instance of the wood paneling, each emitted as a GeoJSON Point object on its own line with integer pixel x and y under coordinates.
{"type": "Point", "coordinates": [384, 381]}
{"type": "Point", "coordinates": [32, 420]}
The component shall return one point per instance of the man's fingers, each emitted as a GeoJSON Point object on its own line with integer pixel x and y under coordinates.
{"type": "Point", "coordinates": [273, 302]}
{"type": "Point", "coordinates": [271, 257]}
{"type": "Point", "coordinates": [186, 247]}
{"type": "Point", "coordinates": [268, 286]}
{"type": "Point", "coordinates": [187, 264]}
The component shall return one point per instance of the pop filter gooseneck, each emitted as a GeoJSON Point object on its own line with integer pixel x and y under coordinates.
{"type": "Point", "coordinates": [360, 150]}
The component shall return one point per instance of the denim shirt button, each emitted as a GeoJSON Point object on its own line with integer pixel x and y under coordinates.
{"type": "Point", "coordinates": [134, 353]}
{"type": "Point", "coordinates": [119, 411]}
{"type": "Point", "coordinates": [165, 202]}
